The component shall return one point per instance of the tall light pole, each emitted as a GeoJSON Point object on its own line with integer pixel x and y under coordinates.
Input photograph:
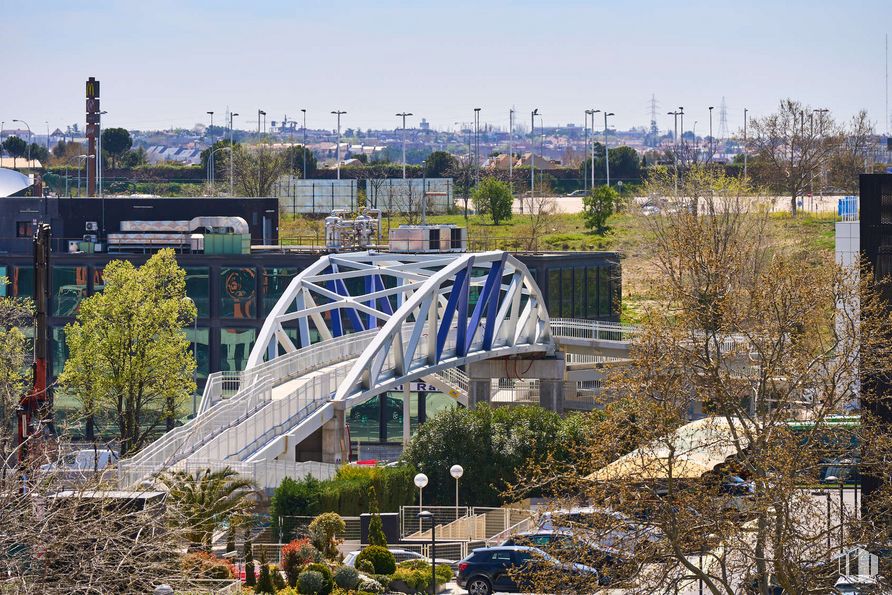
{"type": "Point", "coordinates": [675, 151]}
{"type": "Point", "coordinates": [29, 139]}
{"type": "Point", "coordinates": [231, 156]}
{"type": "Point", "coordinates": [745, 110]}
{"type": "Point", "coordinates": [260, 112]}
{"type": "Point", "coordinates": [211, 114]}
{"type": "Point", "coordinates": [533, 115]}
{"type": "Point", "coordinates": [403, 116]}
{"type": "Point", "coordinates": [339, 113]}
{"type": "Point", "coordinates": [86, 159]}
{"type": "Point", "coordinates": [456, 471]}
{"type": "Point", "coordinates": [711, 147]}
{"type": "Point", "coordinates": [99, 155]}
{"type": "Point", "coordinates": [304, 152]}
{"type": "Point", "coordinates": [606, 147]}
{"type": "Point", "coordinates": [585, 152]}
{"type": "Point", "coordinates": [420, 482]}
{"type": "Point", "coordinates": [594, 111]}
{"type": "Point", "coordinates": [681, 115]}
{"type": "Point", "coordinates": [821, 113]}
{"type": "Point", "coordinates": [510, 153]}
{"type": "Point", "coordinates": [47, 134]}
{"type": "Point", "coordinates": [476, 145]}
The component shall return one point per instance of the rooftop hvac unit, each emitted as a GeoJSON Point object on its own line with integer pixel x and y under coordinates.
{"type": "Point", "coordinates": [92, 226]}
{"type": "Point", "coordinates": [426, 239]}
{"type": "Point", "coordinates": [91, 238]}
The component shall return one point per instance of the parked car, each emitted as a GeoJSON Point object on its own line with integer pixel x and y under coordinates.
{"type": "Point", "coordinates": [856, 584]}
{"type": "Point", "coordinates": [501, 569]}
{"type": "Point", "coordinates": [737, 486]}
{"type": "Point", "coordinates": [400, 555]}
{"type": "Point", "coordinates": [577, 193]}
{"type": "Point", "coordinates": [605, 529]}
{"type": "Point", "coordinates": [568, 548]}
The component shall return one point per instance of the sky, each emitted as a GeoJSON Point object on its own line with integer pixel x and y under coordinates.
{"type": "Point", "coordinates": [165, 63]}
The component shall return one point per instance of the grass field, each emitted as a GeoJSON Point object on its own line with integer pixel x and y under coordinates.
{"type": "Point", "coordinates": [812, 235]}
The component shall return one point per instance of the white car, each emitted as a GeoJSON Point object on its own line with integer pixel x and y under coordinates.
{"type": "Point", "coordinates": [83, 461]}
{"type": "Point", "coordinates": [400, 555]}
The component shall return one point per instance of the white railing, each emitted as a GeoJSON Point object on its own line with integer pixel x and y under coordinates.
{"type": "Point", "coordinates": [456, 379]}
{"type": "Point", "coordinates": [578, 328]}
{"type": "Point", "coordinates": [219, 386]}
{"type": "Point", "coordinates": [255, 392]}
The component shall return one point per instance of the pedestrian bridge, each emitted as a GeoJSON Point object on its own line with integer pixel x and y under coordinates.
{"type": "Point", "coordinates": [353, 326]}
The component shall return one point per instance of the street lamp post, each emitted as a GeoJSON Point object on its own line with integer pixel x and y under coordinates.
{"type": "Point", "coordinates": [510, 153]}
{"type": "Point", "coordinates": [681, 115]}
{"type": "Point", "coordinates": [606, 148]}
{"type": "Point", "coordinates": [533, 115]}
{"type": "Point", "coordinates": [585, 152]}
{"type": "Point", "coordinates": [212, 173]}
{"type": "Point", "coordinates": [29, 138]}
{"type": "Point", "coordinates": [711, 146]}
{"type": "Point", "coordinates": [426, 515]}
{"type": "Point", "coordinates": [745, 110]}
{"type": "Point", "coordinates": [211, 114]}
{"type": "Point", "coordinates": [86, 159]}
{"type": "Point", "coordinates": [99, 155]}
{"type": "Point", "coordinates": [456, 471]}
{"type": "Point", "coordinates": [304, 152]}
{"type": "Point", "coordinates": [476, 145]}
{"type": "Point", "coordinates": [821, 113]}
{"type": "Point", "coordinates": [420, 483]}
{"type": "Point", "coordinates": [231, 156]}
{"type": "Point", "coordinates": [260, 112]}
{"type": "Point", "coordinates": [674, 115]}
{"type": "Point", "coordinates": [593, 111]}
{"type": "Point", "coordinates": [339, 113]}
{"type": "Point", "coordinates": [403, 116]}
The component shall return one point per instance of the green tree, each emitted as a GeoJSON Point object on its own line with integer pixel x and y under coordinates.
{"type": "Point", "coordinates": [205, 501]}
{"type": "Point", "coordinates": [294, 161]}
{"type": "Point", "coordinates": [116, 142]}
{"type": "Point", "coordinates": [221, 158]}
{"type": "Point", "coordinates": [326, 531]}
{"type": "Point", "coordinates": [493, 197]}
{"type": "Point", "coordinates": [598, 206]}
{"type": "Point", "coordinates": [625, 165]}
{"type": "Point", "coordinates": [128, 351]}
{"type": "Point", "coordinates": [256, 169]}
{"type": "Point", "coordinates": [265, 582]}
{"type": "Point", "coordinates": [491, 443]}
{"type": "Point", "coordinates": [39, 153]}
{"type": "Point", "coordinates": [15, 314]}
{"type": "Point", "coordinates": [16, 148]}
{"type": "Point", "coordinates": [376, 527]}
{"type": "Point", "coordinates": [438, 164]}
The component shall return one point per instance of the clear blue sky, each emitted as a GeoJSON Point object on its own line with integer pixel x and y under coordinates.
{"type": "Point", "coordinates": [165, 63]}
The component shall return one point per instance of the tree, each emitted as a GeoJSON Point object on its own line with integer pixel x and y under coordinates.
{"type": "Point", "coordinates": [257, 169]}
{"type": "Point", "coordinates": [625, 164]}
{"type": "Point", "coordinates": [265, 582]}
{"type": "Point", "coordinates": [326, 531]}
{"type": "Point", "coordinates": [850, 157]}
{"type": "Point", "coordinates": [116, 142]}
{"type": "Point", "coordinates": [16, 148]}
{"type": "Point", "coordinates": [462, 174]}
{"type": "Point", "coordinates": [755, 334]}
{"type": "Point", "coordinates": [376, 527]}
{"type": "Point", "coordinates": [294, 157]}
{"type": "Point", "coordinates": [491, 443]}
{"type": "Point", "coordinates": [787, 148]}
{"type": "Point", "coordinates": [15, 315]}
{"type": "Point", "coordinates": [128, 351]}
{"type": "Point", "coordinates": [204, 501]}
{"type": "Point", "coordinates": [597, 206]}
{"type": "Point", "coordinates": [38, 153]}
{"type": "Point", "coordinates": [438, 164]}
{"type": "Point", "coordinates": [540, 212]}
{"type": "Point", "coordinates": [493, 197]}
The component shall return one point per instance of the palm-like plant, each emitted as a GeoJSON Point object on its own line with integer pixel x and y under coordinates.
{"type": "Point", "coordinates": [202, 502]}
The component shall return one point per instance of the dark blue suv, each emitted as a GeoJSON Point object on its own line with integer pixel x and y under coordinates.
{"type": "Point", "coordinates": [500, 569]}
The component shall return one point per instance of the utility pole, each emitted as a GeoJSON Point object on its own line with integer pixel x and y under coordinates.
{"type": "Point", "coordinates": [476, 146]}
{"type": "Point", "coordinates": [606, 148]}
{"type": "Point", "coordinates": [533, 115]}
{"type": "Point", "coordinates": [304, 152]}
{"type": "Point", "coordinates": [711, 148]}
{"type": "Point", "coordinates": [231, 156]}
{"type": "Point", "coordinates": [745, 110]}
{"type": "Point", "coordinates": [403, 115]}
{"type": "Point", "coordinates": [339, 113]}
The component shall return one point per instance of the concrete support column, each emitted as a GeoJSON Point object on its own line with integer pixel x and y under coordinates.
{"type": "Point", "coordinates": [334, 437]}
{"type": "Point", "coordinates": [551, 395]}
{"type": "Point", "coordinates": [407, 413]}
{"type": "Point", "coordinates": [480, 392]}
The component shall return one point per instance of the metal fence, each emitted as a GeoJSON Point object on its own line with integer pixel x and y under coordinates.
{"type": "Point", "coordinates": [298, 196]}
{"type": "Point", "coordinates": [398, 195]}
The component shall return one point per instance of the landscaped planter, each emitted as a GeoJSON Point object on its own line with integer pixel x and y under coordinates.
{"type": "Point", "coordinates": [401, 587]}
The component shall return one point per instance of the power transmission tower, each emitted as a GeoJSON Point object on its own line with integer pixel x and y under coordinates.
{"type": "Point", "coordinates": [653, 135]}
{"type": "Point", "coordinates": [723, 120]}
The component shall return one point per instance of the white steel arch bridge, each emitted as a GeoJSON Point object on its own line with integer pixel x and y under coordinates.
{"type": "Point", "coordinates": [350, 327]}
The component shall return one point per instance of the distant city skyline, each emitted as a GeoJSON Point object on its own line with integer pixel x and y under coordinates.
{"type": "Point", "coordinates": [165, 64]}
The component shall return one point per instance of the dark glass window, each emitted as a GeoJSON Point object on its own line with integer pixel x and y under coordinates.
{"type": "Point", "coordinates": [365, 421]}
{"type": "Point", "coordinates": [235, 347]}
{"type": "Point", "coordinates": [98, 281]}
{"type": "Point", "coordinates": [275, 281]}
{"type": "Point", "coordinates": [58, 350]}
{"type": "Point", "coordinates": [69, 288]}
{"type": "Point", "coordinates": [198, 288]}
{"type": "Point", "coordinates": [199, 343]}
{"type": "Point", "coordinates": [554, 292]}
{"type": "Point", "coordinates": [604, 292]}
{"type": "Point", "coordinates": [24, 229]}
{"type": "Point", "coordinates": [579, 293]}
{"type": "Point", "coordinates": [22, 282]}
{"type": "Point", "coordinates": [567, 293]}
{"type": "Point", "coordinates": [591, 291]}
{"type": "Point", "coordinates": [238, 293]}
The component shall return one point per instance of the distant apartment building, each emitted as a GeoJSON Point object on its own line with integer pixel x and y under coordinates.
{"type": "Point", "coordinates": [156, 154]}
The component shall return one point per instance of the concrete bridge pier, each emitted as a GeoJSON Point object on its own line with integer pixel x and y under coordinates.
{"type": "Point", "coordinates": [549, 371]}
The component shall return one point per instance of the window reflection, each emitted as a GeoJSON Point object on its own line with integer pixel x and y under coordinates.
{"type": "Point", "coordinates": [238, 293]}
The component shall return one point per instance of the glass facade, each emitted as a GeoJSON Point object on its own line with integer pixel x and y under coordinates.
{"type": "Point", "coordinates": [58, 350]}
{"type": "Point", "coordinates": [380, 419]}
{"type": "Point", "coordinates": [198, 288]}
{"type": "Point", "coordinates": [235, 347]}
{"type": "Point", "coordinates": [200, 345]}
{"type": "Point", "coordinates": [69, 288]}
{"type": "Point", "coordinates": [21, 282]}
{"type": "Point", "coordinates": [583, 292]}
{"type": "Point", "coordinates": [275, 281]}
{"type": "Point", "coordinates": [238, 293]}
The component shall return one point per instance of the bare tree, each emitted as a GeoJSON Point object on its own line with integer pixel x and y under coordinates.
{"type": "Point", "coordinates": [851, 155]}
{"type": "Point", "coordinates": [755, 337]}
{"type": "Point", "coordinates": [789, 147]}
{"type": "Point", "coordinates": [257, 169]}
{"type": "Point", "coordinates": [540, 213]}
